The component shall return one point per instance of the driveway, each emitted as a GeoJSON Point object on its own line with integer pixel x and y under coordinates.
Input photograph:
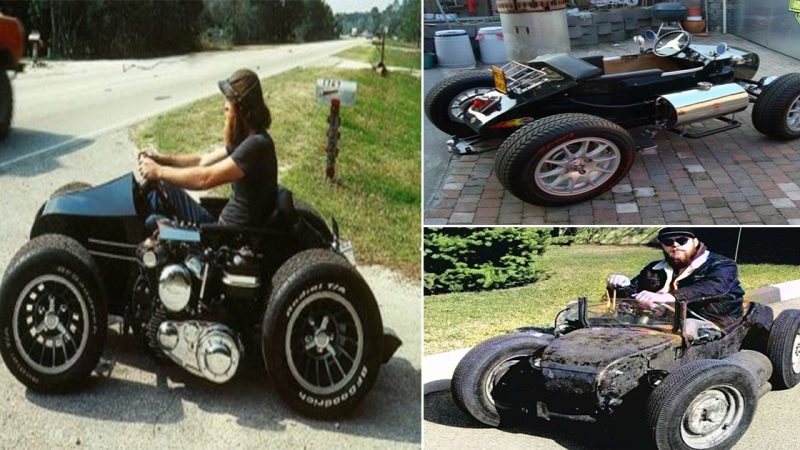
{"type": "Point", "coordinates": [736, 177]}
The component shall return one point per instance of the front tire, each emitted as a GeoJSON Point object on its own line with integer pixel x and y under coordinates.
{"type": "Point", "coordinates": [481, 371]}
{"type": "Point", "coordinates": [564, 158]}
{"type": "Point", "coordinates": [706, 404]}
{"type": "Point", "coordinates": [322, 334]}
{"type": "Point", "coordinates": [776, 112]}
{"type": "Point", "coordinates": [6, 104]}
{"type": "Point", "coordinates": [53, 315]}
{"type": "Point", "coordinates": [452, 95]}
{"type": "Point", "coordinates": [783, 346]}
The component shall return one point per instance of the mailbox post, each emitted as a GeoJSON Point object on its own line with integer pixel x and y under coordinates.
{"type": "Point", "coordinates": [336, 93]}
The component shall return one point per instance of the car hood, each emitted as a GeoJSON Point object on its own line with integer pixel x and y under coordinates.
{"type": "Point", "coordinates": [592, 349]}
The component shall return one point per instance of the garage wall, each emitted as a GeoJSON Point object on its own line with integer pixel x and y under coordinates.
{"type": "Point", "coordinates": [766, 22]}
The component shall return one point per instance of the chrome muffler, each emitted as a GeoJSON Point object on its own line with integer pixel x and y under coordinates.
{"type": "Point", "coordinates": [695, 105]}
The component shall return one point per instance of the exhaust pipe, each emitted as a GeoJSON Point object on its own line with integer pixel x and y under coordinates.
{"type": "Point", "coordinates": [695, 105]}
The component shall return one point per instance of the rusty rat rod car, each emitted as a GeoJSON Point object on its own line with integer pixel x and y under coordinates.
{"type": "Point", "coordinates": [202, 296]}
{"type": "Point", "coordinates": [606, 357]}
{"type": "Point", "coordinates": [570, 117]}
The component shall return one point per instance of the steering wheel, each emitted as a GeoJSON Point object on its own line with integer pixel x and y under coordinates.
{"type": "Point", "coordinates": [163, 198]}
{"type": "Point", "coordinates": [672, 43]}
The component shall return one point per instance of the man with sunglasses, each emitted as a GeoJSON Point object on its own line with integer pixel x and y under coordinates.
{"type": "Point", "coordinates": [706, 281]}
{"type": "Point", "coordinates": [247, 161]}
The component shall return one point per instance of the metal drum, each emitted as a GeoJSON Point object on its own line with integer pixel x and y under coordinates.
{"type": "Point", "coordinates": [533, 28]}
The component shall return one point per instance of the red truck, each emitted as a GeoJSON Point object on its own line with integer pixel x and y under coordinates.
{"type": "Point", "coordinates": [12, 45]}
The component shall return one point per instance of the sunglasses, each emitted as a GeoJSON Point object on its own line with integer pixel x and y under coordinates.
{"type": "Point", "coordinates": [668, 242]}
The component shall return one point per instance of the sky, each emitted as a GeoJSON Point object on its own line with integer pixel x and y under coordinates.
{"type": "Point", "coordinates": [347, 6]}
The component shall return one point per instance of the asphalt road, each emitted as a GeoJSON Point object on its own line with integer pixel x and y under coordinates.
{"type": "Point", "coordinates": [142, 403]}
{"type": "Point", "coordinates": [68, 104]}
{"type": "Point", "coordinates": [446, 427]}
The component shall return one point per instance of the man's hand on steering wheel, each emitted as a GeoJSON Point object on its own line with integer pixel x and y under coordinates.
{"type": "Point", "coordinates": [654, 299]}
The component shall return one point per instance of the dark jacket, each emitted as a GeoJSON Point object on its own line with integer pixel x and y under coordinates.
{"type": "Point", "coordinates": [711, 288]}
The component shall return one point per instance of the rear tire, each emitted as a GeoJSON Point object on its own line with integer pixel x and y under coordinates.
{"type": "Point", "coordinates": [480, 371]}
{"type": "Point", "coordinates": [776, 112]}
{"type": "Point", "coordinates": [53, 316]}
{"type": "Point", "coordinates": [74, 186]}
{"type": "Point", "coordinates": [322, 334]}
{"type": "Point", "coordinates": [564, 158]}
{"type": "Point", "coordinates": [783, 345]}
{"type": "Point", "coordinates": [706, 404]}
{"type": "Point", "coordinates": [321, 234]}
{"type": "Point", "coordinates": [6, 104]}
{"type": "Point", "coordinates": [442, 96]}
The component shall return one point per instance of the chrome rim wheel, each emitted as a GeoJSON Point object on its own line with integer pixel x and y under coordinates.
{"type": "Point", "coordinates": [324, 342]}
{"type": "Point", "coordinates": [796, 353]}
{"type": "Point", "coordinates": [578, 166]}
{"type": "Point", "coordinates": [461, 102]}
{"type": "Point", "coordinates": [712, 417]}
{"type": "Point", "coordinates": [51, 324]}
{"type": "Point", "coordinates": [793, 115]}
{"type": "Point", "coordinates": [495, 375]}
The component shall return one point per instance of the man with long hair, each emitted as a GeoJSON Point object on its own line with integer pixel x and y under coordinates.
{"type": "Point", "coordinates": [248, 161]}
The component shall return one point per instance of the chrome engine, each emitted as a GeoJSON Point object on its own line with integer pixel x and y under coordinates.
{"type": "Point", "coordinates": [206, 349]}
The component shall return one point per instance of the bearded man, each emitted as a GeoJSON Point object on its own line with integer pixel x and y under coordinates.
{"type": "Point", "coordinates": [706, 281]}
{"type": "Point", "coordinates": [248, 161]}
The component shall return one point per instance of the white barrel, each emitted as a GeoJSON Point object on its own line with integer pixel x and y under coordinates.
{"type": "Point", "coordinates": [531, 29]}
{"type": "Point", "coordinates": [493, 49]}
{"type": "Point", "coordinates": [453, 49]}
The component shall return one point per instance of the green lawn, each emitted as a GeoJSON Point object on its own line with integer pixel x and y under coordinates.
{"type": "Point", "coordinates": [394, 56]}
{"type": "Point", "coordinates": [455, 321]}
{"type": "Point", "coordinates": [376, 199]}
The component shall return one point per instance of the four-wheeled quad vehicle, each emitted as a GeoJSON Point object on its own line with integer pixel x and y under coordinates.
{"type": "Point", "coordinates": [571, 117]}
{"type": "Point", "coordinates": [614, 357]}
{"type": "Point", "coordinates": [12, 44]}
{"type": "Point", "coordinates": [202, 296]}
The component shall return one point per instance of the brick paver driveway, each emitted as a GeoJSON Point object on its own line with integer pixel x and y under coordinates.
{"type": "Point", "coordinates": [735, 177]}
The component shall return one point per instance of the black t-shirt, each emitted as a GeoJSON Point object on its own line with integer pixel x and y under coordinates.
{"type": "Point", "coordinates": [253, 196]}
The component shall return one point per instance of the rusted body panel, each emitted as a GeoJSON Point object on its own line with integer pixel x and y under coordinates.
{"type": "Point", "coordinates": [588, 372]}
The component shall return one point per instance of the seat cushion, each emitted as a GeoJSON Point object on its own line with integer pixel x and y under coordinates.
{"type": "Point", "coordinates": [569, 65]}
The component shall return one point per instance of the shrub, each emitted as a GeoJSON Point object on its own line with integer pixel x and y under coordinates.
{"type": "Point", "coordinates": [473, 259]}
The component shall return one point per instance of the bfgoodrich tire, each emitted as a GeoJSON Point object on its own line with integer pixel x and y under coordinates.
{"type": "Point", "coordinates": [315, 229]}
{"type": "Point", "coordinates": [783, 345]}
{"type": "Point", "coordinates": [706, 404]}
{"type": "Point", "coordinates": [455, 93]}
{"type": "Point", "coordinates": [563, 159]}
{"type": "Point", "coordinates": [483, 369]}
{"type": "Point", "coordinates": [53, 315]}
{"type": "Point", "coordinates": [322, 334]}
{"type": "Point", "coordinates": [6, 104]}
{"type": "Point", "coordinates": [776, 112]}
{"type": "Point", "coordinates": [68, 188]}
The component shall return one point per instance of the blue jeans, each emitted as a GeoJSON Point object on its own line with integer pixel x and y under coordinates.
{"type": "Point", "coordinates": [186, 209]}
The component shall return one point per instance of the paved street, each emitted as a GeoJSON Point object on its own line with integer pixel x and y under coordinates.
{"type": "Point", "coordinates": [66, 105]}
{"type": "Point", "coordinates": [733, 177]}
{"type": "Point", "coordinates": [142, 403]}
{"type": "Point", "coordinates": [446, 427]}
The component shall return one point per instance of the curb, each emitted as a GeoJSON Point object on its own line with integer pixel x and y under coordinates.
{"type": "Point", "coordinates": [437, 370]}
{"type": "Point", "coordinates": [776, 293]}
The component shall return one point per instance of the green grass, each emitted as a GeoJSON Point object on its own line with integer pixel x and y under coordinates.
{"type": "Point", "coordinates": [455, 321]}
{"type": "Point", "coordinates": [376, 199]}
{"type": "Point", "coordinates": [402, 57]}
